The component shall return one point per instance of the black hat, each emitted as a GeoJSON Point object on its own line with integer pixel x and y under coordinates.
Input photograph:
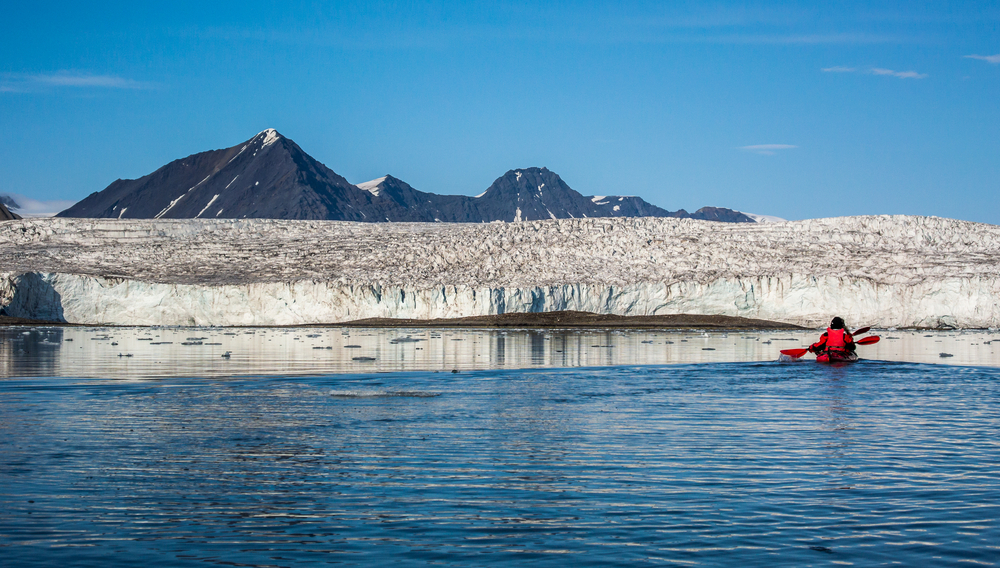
{"type": "Point", "coordinates": [837, 323]}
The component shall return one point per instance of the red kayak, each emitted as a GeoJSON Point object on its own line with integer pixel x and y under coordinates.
{"type": "Point", "coordinates": [848, 357]}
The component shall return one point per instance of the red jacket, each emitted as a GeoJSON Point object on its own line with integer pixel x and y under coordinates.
{"type": "Point", "coordinates": [839, 340]}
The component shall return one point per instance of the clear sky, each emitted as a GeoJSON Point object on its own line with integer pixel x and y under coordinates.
{"type": "Point", "coordinates": [794, 109]}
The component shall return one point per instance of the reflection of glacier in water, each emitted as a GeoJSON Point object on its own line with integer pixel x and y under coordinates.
{"type": "Point", "coordinates": [162, 352]}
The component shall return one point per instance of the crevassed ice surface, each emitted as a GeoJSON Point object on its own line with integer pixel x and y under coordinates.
{"type": "Point", "coordinates": [894, 271]}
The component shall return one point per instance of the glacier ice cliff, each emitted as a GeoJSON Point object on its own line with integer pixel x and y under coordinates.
{"type": "Point", "coordinates": [885, 271]}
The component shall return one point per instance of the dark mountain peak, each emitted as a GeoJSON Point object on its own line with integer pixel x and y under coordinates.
{"type": "Point", "coordinates": [524, 177]}
{"type": "Point", "coordinates": [266, 137]}
{"type": "Point", "coordinates": [721, 214]}
{"type": "Point", "coordinates": [526, 181]}
{"type": "Point", "coordinates": [268, 176]}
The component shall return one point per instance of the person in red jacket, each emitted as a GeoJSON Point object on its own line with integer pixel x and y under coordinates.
{"type": "Point", "coordinates": [835, 340]}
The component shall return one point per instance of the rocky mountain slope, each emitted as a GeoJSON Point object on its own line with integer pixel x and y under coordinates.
{"type": "Point", "coordinates": [6, 215]}
{"type": "Point", "coordinates": [879, 271]}
{"type": "Point", "coordinates": [271, 177]}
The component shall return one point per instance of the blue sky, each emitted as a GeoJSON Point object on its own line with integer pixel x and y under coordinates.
{"type": "Point", "coordinates": [795, 109]}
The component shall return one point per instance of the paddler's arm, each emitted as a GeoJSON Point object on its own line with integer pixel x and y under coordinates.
{"type": "Point", "coordinates": [819, 345]}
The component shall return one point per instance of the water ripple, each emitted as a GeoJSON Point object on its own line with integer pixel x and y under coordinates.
{"type": "Point", "coordinates": [757, 464]}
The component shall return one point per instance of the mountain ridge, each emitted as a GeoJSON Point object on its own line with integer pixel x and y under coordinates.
{"type": "Point", "coordinates": [270, 177]}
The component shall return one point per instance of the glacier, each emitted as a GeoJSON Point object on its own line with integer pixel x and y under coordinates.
{"type": "Point", "coordinates": [882, 271]}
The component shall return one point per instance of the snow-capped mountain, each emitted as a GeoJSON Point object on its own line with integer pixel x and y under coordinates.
{"type": "Point", "coordinates": [271, 177]}
{"type": "Point", "coordinates": [531, 194]}
{"type": "Point", "coordinates": [268, 176]}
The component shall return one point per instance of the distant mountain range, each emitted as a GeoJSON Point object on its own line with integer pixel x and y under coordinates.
{"type": "Point", "coordinates": [271, 177]}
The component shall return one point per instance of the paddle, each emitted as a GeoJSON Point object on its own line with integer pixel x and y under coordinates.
{"type": "Point", "coordinates": [796, 353]}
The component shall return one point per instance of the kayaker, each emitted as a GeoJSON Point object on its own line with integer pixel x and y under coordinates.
{"type": "Point", "coordinates": [836, 340]}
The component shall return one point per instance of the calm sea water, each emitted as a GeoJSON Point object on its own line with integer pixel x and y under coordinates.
{"type": "Point", "coordinates": [712, 464]}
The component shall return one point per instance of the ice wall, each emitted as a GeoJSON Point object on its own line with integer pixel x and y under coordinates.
{"type": "Point", "coordinates": [880, 271]}
{"type": "Point", "coordinates": [801, 300]}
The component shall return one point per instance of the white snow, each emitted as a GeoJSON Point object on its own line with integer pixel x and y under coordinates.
{"type": "Point", "coordinates": [210, 204]}
{"type": "Point", "coordinates": [518, 174]}
{"type": "Point", "coordinates": [480, 195]}
{"type": "Point", "coordinates": [372, 186]}
{"type": "Point", "coordinates": [597, 198]}
{"type": "Point", "coordinates": [169, 207]}
{"type": "Point", "coordinates": [122, 212]}
{"type": "Point", "coordinates": [764, 218]}
{"type": "Point", "coordinates": [616, 207]}
{"type": "Point", "coordinates": [219, 213]}
{"type": "Point", "coordinates": [517, 215]}
{"type": "Point", "coordinates": [236, 156]}
{"type": "Point", "coordinates": [174, 202]}
{"type": "Point", "coordinates": [551, 214]}
{"type": "Point", "coordinates": [270, 137]}
{"type": "Point", "coordinates": [883, 271]}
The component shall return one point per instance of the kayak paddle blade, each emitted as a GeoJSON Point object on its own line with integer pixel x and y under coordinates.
{"type": "Point", "coordinates": [861, 331]}
{"type": "Point", "coordinates": [868, 340]}
{"type": "Point", "coordinates": [794, 353]}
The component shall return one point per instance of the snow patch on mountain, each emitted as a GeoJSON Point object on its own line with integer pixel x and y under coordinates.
{"type": "Point", "coordinates": [216, 196]}
{"type": "Point", "coordinates": [372, 186]}
{"type": "Point", "coordinates": [270, 136]}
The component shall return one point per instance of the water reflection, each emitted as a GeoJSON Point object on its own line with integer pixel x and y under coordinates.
{"type": "Point", "coordinates": [161, 352]}
{"type": "Point", "coordinates": [761, 464]}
